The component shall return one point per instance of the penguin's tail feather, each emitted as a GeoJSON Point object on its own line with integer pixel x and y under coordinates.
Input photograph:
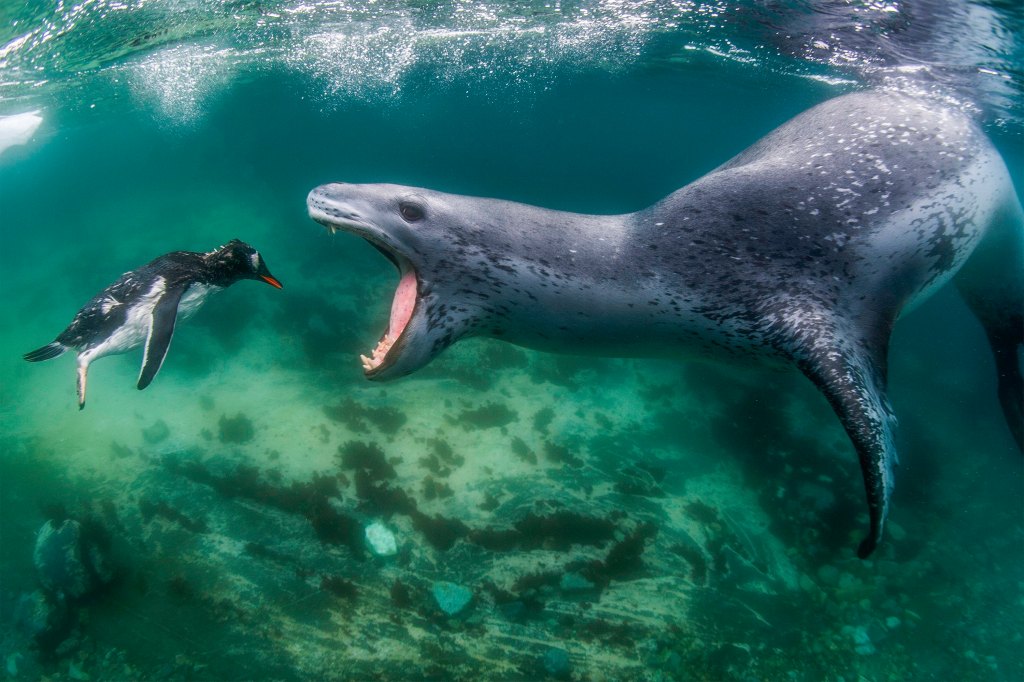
{"type": "Point", "coordinates": [47, 352]}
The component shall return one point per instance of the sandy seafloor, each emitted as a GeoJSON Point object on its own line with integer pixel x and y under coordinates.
{"type": "Point", "coordinates": [655, 519]}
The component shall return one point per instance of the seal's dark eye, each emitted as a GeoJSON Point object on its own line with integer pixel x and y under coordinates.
{"type": "Point", "coordinates": [410, 212]}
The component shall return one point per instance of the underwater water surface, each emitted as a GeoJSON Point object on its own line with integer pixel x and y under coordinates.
{"type": "Point", "coordinates": [553, 516]}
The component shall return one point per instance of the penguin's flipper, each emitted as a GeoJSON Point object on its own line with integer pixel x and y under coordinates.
{"type": "Point", "coordinates": [161, 329]}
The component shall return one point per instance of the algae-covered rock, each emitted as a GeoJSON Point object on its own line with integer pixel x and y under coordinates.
{"type": "Point", "coordinates": [42, 617]}
{"type": "Point", "coordinates": [574, 582]}
{"type": "Point", "coordinates": [58, 559]}
{"type": "Point", "coordinates": [69, 560]}
{"type": "Point", "coordinates": [452, 598]}
{"type": "Point", "coordinates": [557, 663]}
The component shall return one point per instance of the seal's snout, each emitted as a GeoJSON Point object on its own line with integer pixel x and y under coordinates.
{"type": "Point", "coordinates": [331, 190]}
{"type": "Point", "coordinates": [323, 205]}
{"type": "Point", "coordinates": [313, 202]}
{"type": "Point", "coordinates": [317, 198]}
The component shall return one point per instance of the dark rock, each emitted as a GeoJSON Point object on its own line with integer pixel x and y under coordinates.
{"type": "Point", "coordinates": [120, 451]}
{"type": "Point", "coordinates": [625, 556]}
{"type": "Point", "coordinates": [338, 586]}
{"type": "Point", "coordinates": [355, 416]}
{"type": "Point", "coordinates": [574, 582]}
{"type": "Point", "coordinates": [488, 416]}
{"type": "Point", "coordinates": [512, 610]}
{"type": "Point", "coordinates": [367, 457]}
{"type": "Point", "coordinates": [237, 429]}
{"type": "Point", "coordinates": [70, 559]}
{"type": "Point", "coordinates": [149, 509]}
{"type": "Point", "coordinates": [42, 618]}
{"type": "Point", "coordinates": [311, 499]}
{"type": "Point", "coordinates": [521, 450]}
{"type": "Point", "coordinates": [542, 419]}
{"type": "Point", "coordinates": [562, 529]}
{"type": "Point", "coordinates": [58, 559]}
{"type": "Point", "coordinates": [156, 433]}
{"type": "Point", "coordinates": [401, 596]}
{"type": "Point", "coordinates": [561, 454]}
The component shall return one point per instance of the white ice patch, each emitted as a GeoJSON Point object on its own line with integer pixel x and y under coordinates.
{"type": "Point", "coordinates": [18, 129]}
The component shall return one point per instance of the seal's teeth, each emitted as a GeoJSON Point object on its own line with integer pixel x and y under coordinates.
{"type": "Point", "coordinates": [379, 353]}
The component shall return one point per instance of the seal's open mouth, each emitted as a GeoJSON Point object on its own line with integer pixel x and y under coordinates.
{"type": "Point", "coordinates": [403, 305]}
{"type": "Point", "coordinates": [402, 308]}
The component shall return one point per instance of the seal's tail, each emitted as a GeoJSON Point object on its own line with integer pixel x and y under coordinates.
{"type": "Point", "coordinates": [992, 284]}
{"type": "Point", "coordinates": [47, 352]}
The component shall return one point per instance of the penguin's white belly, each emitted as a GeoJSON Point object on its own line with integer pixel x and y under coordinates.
{"type": "Point", "coordinates": [137, 323]}
{"type": "Point", "coordinates": [194, 298]}
{"type": "Point", "coordinates": [139, 319]}
{"type": "Point", "coordinates": [131, 334]}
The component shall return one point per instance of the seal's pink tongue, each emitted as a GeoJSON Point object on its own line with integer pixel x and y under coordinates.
{"type": "Point", "coordinates": [402, 306]}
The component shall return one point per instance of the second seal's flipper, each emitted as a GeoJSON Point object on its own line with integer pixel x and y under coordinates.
{"type": "Point", "coordinates": [165, 313]}
{"type": "Point", "coordinates": [992, 284]}
{"type": "Point", "coordinates": [851, 373]}
{"type": "Point", "coordinates": [1006, 344]}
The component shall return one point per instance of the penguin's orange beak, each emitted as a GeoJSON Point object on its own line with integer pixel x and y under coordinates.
{"type": "Point", "coordinates": [271, 281]}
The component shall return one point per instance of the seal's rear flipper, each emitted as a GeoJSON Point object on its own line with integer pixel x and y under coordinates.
{"type": "Point", "coordinates": [1006, 344]}
{"type": "Point", "coordinates": [851, 374]}
{"type": "Point", "coordinates": [992, 285]}
{"type": "Point", "coordinates": [1011, 395]}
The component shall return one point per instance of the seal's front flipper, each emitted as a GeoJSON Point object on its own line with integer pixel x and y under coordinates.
{"type": "Point", "coordinates": [161, 329]}
{"type": "Point", "coordinates": [851, 371]}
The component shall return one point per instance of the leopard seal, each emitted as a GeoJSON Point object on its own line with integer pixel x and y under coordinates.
{"type": "Point", "coordinates": [804, 249]}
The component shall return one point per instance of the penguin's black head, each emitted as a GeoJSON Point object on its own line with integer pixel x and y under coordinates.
{"type": "Point", "coordinates": [237, 260]}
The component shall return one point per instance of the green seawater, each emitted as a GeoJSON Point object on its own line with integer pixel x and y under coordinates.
{"type": "Point", "coordinates": [653, 519]}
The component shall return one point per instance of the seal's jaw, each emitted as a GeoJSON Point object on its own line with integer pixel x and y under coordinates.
{"type": "Point", "coordinates": [389, 347]}
{"type": "Point", "coordinates": [400, 349]}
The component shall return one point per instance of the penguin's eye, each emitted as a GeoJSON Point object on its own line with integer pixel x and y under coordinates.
{"type": "Point", "coordinates": [410, 211]}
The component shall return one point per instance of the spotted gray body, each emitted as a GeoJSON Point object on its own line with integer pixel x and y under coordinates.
{"type": "Point", "coordinates": [804, 249]}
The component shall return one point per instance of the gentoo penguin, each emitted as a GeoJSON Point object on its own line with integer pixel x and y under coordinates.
{"type": "Point", "coordinates": [142, 306]}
